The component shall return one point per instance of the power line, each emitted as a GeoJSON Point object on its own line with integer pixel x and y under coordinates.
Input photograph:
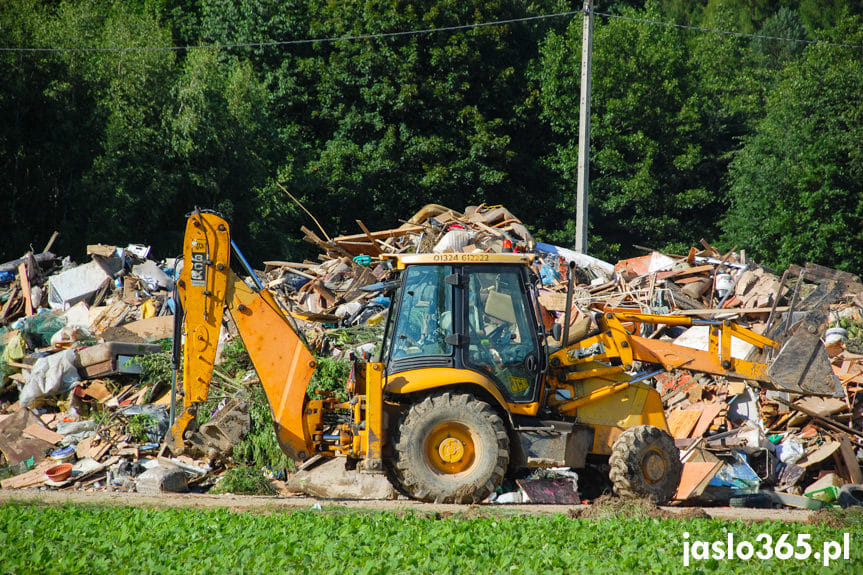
{"type": "Point", "coordinates": [419, 32]}
{"type": "Point", "coordinates": [729, 32]}
{"type": "Point", "coordinates": [382, 35]}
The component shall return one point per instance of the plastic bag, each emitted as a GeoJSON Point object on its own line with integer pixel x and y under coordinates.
{"type": "Point", "coordinates": [50, 375]}
{"type": "Point", "coordinates": [39, 329]}
{"type": "Point", "coordinates": [789, 451]}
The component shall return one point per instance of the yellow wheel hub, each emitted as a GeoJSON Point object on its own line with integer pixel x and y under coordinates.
{"type": "Point", "coordinates": [653, 466]}
{"type": "Point", "coordinates": [450, 449]}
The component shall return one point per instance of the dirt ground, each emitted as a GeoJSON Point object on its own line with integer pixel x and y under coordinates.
{"type": "Point", "coordinates": [241, 503]}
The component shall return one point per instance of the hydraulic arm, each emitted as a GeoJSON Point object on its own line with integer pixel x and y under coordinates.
{"type": "Point", "coordinates": [614, 349]}
{"type": "Point", "coordinates": [207, 286]}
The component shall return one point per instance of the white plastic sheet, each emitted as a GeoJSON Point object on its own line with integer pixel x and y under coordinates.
{"type": "Point", "coordinates": [50, 375]}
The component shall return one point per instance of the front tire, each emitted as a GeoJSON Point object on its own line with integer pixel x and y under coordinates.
{"type": "Point", "coordinates": [451, 448]}
{"type": "Point", "coordinates": [645, 463]}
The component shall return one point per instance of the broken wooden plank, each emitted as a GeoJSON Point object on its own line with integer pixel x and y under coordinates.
{"type": "Point", "coordinates": [820, 273]}
{"type": "Point", "coordinates": [14, 445]}
{"type": "Point", "coordinates": [369, 236]}
{"type": "Point", "coordinates": [49, 419]}
{"type": "Point", "coordinates": [98, 391]}
{"type": "Point", "coordinates": [824, 406]}
{"type": "Point", "coordinates": [709, 413]}
{"type": "Point", "coordinates": [10, 303]}
{"type": "Point", "coordinates": [819, 454]}
{"type": "Point", "coordinates": [695, 477]}
{"type": "Point", "coordinates": [846, 450]}
{"type": "Point", "coordinates": [24, 279]}
{"type": "Point", "coordinates": [30, 478]}
{"type": "Point", "coordinates": [112, 316]}
{"type": "Point", "coordinates": [51, 241]}
{"type": "Point", "coordinates": [327, 246]}
{"type": "Point", "coordinates": [383, 234]}
{"type": "Point", "coordinates": [829, 422]}
{"type": "Point", "coordinates": [86, 448]}
{"type": "Point", "coordinates": [39, 431]}
{"type": "Point", "coordinates": [149, 329]}
{"type": "Point", "coordinates": [683, 273]}
{"type": "Point", "coordinates": [682, 422]}
{"type": "Point", "coordinates": [282, 264]}
{"type": "Point", "coordinates": [13, 265]}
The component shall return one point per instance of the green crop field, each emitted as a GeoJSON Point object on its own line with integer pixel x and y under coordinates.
{"type": "Point", "coordinates": [36, 538]}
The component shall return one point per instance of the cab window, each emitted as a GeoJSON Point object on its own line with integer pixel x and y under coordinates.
{"type": "Point", "coordinates": [502, 342]}
{"type": "Point", "coordinates": [424, 318]}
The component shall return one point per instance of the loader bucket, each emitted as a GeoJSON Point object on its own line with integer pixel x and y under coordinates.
{"type": "Point", "coordinates": [802, 366]}
{"type": "Point", "coordinates": [218, 436]}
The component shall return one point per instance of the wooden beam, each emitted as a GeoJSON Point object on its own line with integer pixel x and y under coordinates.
{"type": "Point", "coordinates": [366, 231]}
{"type": "Point", "coordinates": [51, 241]}
{"type": "Point", "coordinates": [24, 278]}
{"type": "Point", "coordinates": [826, 420]}
{"type": "Point", "coordinates": [281, 264]}
{"type": "Point", "coordinates": [393, 233]}
{"type": "Point", "coordinates": [9, 303]}
{"type": "Point", "coordinates": [850, 460]}
{"type": "Point", "coordinates": [328, 246]}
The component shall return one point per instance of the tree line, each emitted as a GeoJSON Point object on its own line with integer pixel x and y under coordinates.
{"type": "Point", "coordinates": [749, 139]}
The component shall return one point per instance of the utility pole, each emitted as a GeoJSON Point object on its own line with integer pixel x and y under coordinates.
{"type": "Point", "coordinates": [584, 130]}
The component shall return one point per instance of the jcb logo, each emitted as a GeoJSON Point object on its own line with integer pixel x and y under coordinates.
{"type": "Point", "coordinates": [518, 384]}
{"type": "Point", "coordinates": [198, 274]}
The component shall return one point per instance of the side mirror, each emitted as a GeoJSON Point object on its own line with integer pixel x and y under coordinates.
{"type": "Point", "coordinates": [556, 331]}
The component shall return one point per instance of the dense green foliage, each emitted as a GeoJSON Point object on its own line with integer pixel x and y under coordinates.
{"type": "Point", "coordinates": [746, 140]}
{"type": "Point", "coordinates": [331, 375]}
{"type": "Point", "coordinates": [75, 539]}
{"type": "Point", "coordinates": [235, 360]}
{"type": "Point", "coordinates": [259, 448]}
{"type": "Point", "coordinates": [244, 481]}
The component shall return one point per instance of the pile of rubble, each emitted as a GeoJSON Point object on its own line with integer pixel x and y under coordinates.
{"type": "Point", "coordinates": [73, 340]}
{"type": "Point", "coordinates": [70, 335]}
{"type": "Point", "coordinates": [739, 442]}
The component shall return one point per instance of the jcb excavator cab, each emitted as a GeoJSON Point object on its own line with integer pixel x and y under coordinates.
{"type": "Point", "coordinates": [467, 315]}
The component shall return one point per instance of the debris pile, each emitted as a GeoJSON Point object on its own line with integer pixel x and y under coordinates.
{"type": "Point", "coordinates": [742, 443]}
{"type": "Point", "coordinates": [72, 336]}
{"type": "Point", "coordinates": [347, 288]}
{"type": "Point", "coordinates": [75, 342]}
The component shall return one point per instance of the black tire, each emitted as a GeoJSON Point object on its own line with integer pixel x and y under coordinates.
{"type": "Point", "coordinates": [851, 495]}
{"type": "Point", "coordinates": [450, 448]}
{"type": "Point", "coordinates": [645, 463]}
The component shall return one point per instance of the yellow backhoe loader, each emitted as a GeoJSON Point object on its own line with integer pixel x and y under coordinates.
{"type": "Point", "coordinates": [466, 387]}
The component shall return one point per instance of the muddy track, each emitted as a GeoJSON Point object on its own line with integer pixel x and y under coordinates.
{"type": "Point", "coordinates": [240, 503]}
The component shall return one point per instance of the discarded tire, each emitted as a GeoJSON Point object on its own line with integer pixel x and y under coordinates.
{"type": "Point", "coordinates": [645, 463]}
{"type": "Point", "coordinates": [450, 448]}
{"type": "Point", "coordinates": [851, 496]}
{"type": "Point", "coordinates": [752, 500]}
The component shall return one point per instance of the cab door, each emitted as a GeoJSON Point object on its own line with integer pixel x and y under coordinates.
{"type": "Point", "coordinates": [501, 327]}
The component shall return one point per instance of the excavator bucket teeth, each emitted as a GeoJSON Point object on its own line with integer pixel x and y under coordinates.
{"type": "Point", "coordinates": [218, 436]}
{"type": "Point", "coordinates": [803, 366]}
